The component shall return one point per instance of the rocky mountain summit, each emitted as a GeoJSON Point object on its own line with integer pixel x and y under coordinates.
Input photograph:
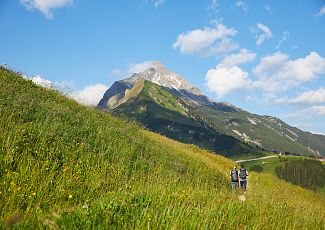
{"type": "Point", "coordinates": [157, 74]}
{"type": "Point", "coordinates": [160, 75]}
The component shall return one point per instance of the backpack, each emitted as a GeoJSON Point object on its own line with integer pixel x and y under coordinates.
{"type": "Point", "coordinates": [234, 175]}
{"type": "Point", "coordinates": [242, 173]}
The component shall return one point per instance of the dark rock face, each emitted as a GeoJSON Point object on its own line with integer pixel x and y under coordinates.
{"type": "Point", "coordinates": [117, 88]}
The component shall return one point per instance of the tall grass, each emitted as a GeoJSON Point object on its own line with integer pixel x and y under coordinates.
{"type": "Point", "coordinates": [63, 165]}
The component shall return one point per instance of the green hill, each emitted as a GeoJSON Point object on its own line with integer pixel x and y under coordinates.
{"type": "Point", "coordinates": [162, 112]}
{"type": "Point", "coordinates": [63, 165]}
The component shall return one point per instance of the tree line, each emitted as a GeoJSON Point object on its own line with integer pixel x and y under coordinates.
{"type": "Point", "coordinates": [303, 172]}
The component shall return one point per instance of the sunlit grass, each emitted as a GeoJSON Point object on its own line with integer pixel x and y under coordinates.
{"type": "Point", "coordinates": [63, 165]}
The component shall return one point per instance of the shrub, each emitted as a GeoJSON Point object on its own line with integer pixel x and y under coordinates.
{"type": "Point", "coordinates": [256, 168]}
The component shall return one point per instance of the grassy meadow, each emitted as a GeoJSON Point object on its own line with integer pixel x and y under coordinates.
{"type": "Point", "coordinates": [66, 166]}
{"type": "Point", "coordinates": [308, 165]}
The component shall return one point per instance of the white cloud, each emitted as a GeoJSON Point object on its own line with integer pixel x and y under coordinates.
{"type": "Point", "coordinates": [117, 74]}
{"type": "Point", "coordinates": [304, 126]}
{"type": "Point", "coordinates": [304, 69]}
{"type": "Point", "coordinates": [242, 5]}
{"type": "Point", "coordinates": [262, 32]}
{"type": "Point", "coordinates": [321, 11]}
{"type": "Point", "coordinates": [317, 110]}
{"type": "Point", "coordinates": [308, 97]}
{"type": "Point", "coordinates": [214, 5]}
{"type": "Point", "coordinates": [216, 21]}
{"type": "Point", "coordinates": [64, 87]}
{"type": "Point", "coordinates": [207, 41]}
{"type": "Point", "coordinates": [307, 112]}
{"type": "Point", "coordinates": [268, 8]}
{"type": "Point", "coordinates": [224, 79]}
{"type": "Point", "coordinates": [38, 80]}
{"type": "Point", "coordinates": [270, 64]}
{"type": "Point", "coordinates": [317, 132]}
{"type": "Point", "coordinates": [311, 97]}
{"type": "Point", "coordinates": [276, 72]}
{"type": "Point", "coordinates": [285, 36]}
{"type": "Point", "coordinates": [45, 6]}
{"type": "Point", "coordinates": [90, 95]}
{"type": "Point", "coordinates": [243, 56]}
{"type": "Point", "coordinates": [156, 3]}
{"type": "Point", "coordinates": [140, 67]}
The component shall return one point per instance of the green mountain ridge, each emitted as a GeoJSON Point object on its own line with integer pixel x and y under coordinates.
{"type": "Point", "coordinates": [160, 111]}
{"type": "Point", "coordinates": [67, 166]}
{"type": "Point", "coordinates": [265, 132]}
{"type": "Point", "coordinates": [259, 132]}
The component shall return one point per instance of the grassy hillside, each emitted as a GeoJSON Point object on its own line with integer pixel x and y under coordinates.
{"type": "Point", "coordinates": [163, 112]}
{"type": "Point", "coordinates": [63, 166]}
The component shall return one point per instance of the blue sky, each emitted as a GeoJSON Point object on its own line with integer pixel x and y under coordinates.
{"type": "Point", "coordinates": [267, 57]}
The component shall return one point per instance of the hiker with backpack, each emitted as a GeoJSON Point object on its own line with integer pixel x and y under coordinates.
{"type": "Point", "coordinates": [234, 178]}
{"type": "Point", "coordinates": [243, 177]}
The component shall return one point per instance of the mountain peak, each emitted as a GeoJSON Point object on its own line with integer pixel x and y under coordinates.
{"type": "Point", "coordinates": [158, 65]}
{"type": "Point", "coordinates": [157, 73]}
{"type": "Point", "coordinates": [160, 75]}
{"type": "Point", "coordinates": [157, 68]}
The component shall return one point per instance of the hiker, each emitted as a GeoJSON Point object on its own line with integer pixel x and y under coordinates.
{"type": "Point", "coordinates": [243, 177]}
{"type": "Point", "coordinates": [234, 178]}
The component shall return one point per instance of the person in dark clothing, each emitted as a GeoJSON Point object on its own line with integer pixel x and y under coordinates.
{"type": "Point", "coordinates": [243, 174]}
{"type": "Point", "coordinates": [234, 178]}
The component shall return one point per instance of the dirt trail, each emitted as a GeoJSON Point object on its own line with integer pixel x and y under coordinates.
{"type": "Point", "coordinates": [254, 159]}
